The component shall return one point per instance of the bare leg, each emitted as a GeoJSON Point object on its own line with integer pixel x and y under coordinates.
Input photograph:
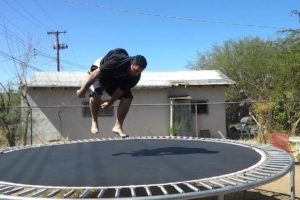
{"type": "Point", "coordinates": [95, 102]}
{"type": "Point", "coordinates": [123, 109]}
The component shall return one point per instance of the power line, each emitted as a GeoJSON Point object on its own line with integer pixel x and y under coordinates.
{"type": "Point", "coordinates": [20, 14]}
{"type": "Point", "coordinates": [77, 65]}
{"type": "Point", "coordinates": [5, 55]}
{"type": "Point", "coordinates": [8, 33]}
{"type": "Point", "coordinates": [44, 11]}
{"type": "Point", "coordinates": [29, 14]}
{"type": "Point", "coordinates": [48, 16]}
{"type": "Point", "coordinates": [120, 10]}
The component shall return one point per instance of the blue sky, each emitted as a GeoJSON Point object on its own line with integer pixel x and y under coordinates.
{"type": "Point", "coordinates": [169, 33]}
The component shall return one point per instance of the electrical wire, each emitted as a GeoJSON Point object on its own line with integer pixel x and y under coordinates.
{"type": "Point", "coordinates": [7, 33]}
{"type": "Point", "coordinates": [35, 19]}
{"type": "Point", "coordinates": [120, 10]}
{"type": "Point", "coordinates": [12, 58]}
{"type": "Point", "coordinates": [21, 14]}
{"type": "Point", "coordinates": [44, 11]}
{"type": "Point", "coordinates": [54, 22]}
{"type": "Point", "coordinates": [77, 65]}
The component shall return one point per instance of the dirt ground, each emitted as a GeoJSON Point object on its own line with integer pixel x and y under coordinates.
{"type": "Point", "coordinates": [277, 190]}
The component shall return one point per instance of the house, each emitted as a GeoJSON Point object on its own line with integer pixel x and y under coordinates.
{"type": "Point", "coordinates": [178, 103]}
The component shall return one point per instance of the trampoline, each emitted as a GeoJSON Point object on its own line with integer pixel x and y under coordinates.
{"type": "Point", "coordinates": [138, 168]}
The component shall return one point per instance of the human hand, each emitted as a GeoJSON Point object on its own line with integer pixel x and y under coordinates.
{"type": "Point", "coordinates": [105, 104]}
{"type": "Point", "coordinates": [80, 93]}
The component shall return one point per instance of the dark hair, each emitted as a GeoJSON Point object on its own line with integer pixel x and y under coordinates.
{"type": "Point", "coordinates": [139, 60]}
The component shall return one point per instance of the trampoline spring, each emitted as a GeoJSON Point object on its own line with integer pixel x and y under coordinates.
{"type": "Point", "coordinates": [148, 191]}
{"type": "Point", "coordinates": [246, 178]}
{"type": "Point", "coordinates": [275, 168]}
{"type": "Point", "coordinates": [26, 192]}
{"type": "Point", "coordinates": [38, 193]}
{"type": "Point", "coordinates": [178, 188]}
{"type": "Point", "coordinates": [205, 185]}
{"type": "Point", "coordinates": [195, 189]}
{"type": "Point", "coordinates": [281, 161]}
{"type": "Point", "coordinates": [52, 194]}
{"type": "Point", "coordinates": [260, 173]}
{"type": "Point", "coordinates": [2, 186]}
{"type": "Point", "coordinates": [237, 180]}
{"type": "Point", "coordinates": [84, 193]}
{"type": "Point", "coordinates": [267, 171]}
{"type": "Point", "coordinates": [13, 191]}
{"type": "Point", "coordinates": [164, 191]}
{"type": "Point", "coordinates": [6, 188]}
{"type": "Point", "coordinates": [277, 153]}
{"type": "Point", "coordinates": [217, 183]}
{"type": "Point", "coordinates": [255, 176]}
{"type": "Point", "coordinates": [69, 193]}
{"type": "Point", "coordinates": [279, 157]}
{"type": "Point", "coordinates": [228, 182]}
{"type": "Point", "coordinates": [132, 190]}
{"type": "Point", "coordinates": [101, 193]}
{"type": "Point", "coordinates": [278, 163]}
{"type": "Point", "coordinates": [117, 193]}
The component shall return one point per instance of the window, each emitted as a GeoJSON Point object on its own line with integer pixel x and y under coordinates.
{"type": "Point", "coordinates": [103, 112]}
{"type": "Point", "coordinates": [202, 106]}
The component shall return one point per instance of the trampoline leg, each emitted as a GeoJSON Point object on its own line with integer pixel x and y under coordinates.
{"type": "Point", "coordinates": [292, 182]}
{"type": "Point", "coordinates": [221, 197]}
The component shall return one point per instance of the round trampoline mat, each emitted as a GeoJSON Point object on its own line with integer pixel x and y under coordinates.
{"type": "Point", "coordinates": [106, 163]}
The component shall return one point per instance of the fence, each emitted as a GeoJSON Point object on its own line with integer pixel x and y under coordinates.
{"type": "Point", "coordinates": [233, 120]}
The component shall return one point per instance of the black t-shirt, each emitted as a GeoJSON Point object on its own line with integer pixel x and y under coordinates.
{"type": "Point", "coordinates": [114, 70]}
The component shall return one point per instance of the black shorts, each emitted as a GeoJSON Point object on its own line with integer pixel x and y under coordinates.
{"type": "Point", "coordinates": [97, 89]}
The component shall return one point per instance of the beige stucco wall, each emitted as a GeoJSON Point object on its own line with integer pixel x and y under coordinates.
{"type": "Point", "coordinates": [57, 113]}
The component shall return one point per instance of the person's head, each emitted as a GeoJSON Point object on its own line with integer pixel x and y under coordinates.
{"type": "Point", "coordinates": [137, 65]}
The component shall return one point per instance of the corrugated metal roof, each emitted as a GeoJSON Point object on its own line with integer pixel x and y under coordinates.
{"type": "Point", "coordinates": [149, 79]}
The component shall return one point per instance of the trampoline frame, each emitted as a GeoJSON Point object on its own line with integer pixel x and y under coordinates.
{"type": "Point", "coordinates": [274, 164]}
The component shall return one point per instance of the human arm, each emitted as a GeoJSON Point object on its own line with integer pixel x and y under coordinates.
{"type": "Point", "coordinates": [90, 80]}
{"type": "Point", "coordinates": [116, 95]}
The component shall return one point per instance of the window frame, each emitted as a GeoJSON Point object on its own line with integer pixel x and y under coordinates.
{"type": "Point", "coordinates": [202, 106]}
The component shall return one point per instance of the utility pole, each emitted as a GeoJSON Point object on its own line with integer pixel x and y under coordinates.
{"type": "Point", "coordinates": [58, 46]}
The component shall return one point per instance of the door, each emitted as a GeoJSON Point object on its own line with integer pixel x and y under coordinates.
{"type": "Point", "coordinates": [181, 121]}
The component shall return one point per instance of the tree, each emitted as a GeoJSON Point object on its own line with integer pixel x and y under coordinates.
{"type": "Point", "coordinates": [264, 71]}
{"type": "Point", "coordinates": [10, 114]}
{"type": "Point", "coordinates": [7, 115]}
{"type": "Point", "coordinates": [289, 91]}
{"type": "Point", "coordinates": [247, 61]}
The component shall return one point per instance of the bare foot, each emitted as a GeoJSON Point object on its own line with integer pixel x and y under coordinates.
{"type": "Point", "coordinates": [94, 128]}
{"type": "Point", "coordinates": [119, 132]}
